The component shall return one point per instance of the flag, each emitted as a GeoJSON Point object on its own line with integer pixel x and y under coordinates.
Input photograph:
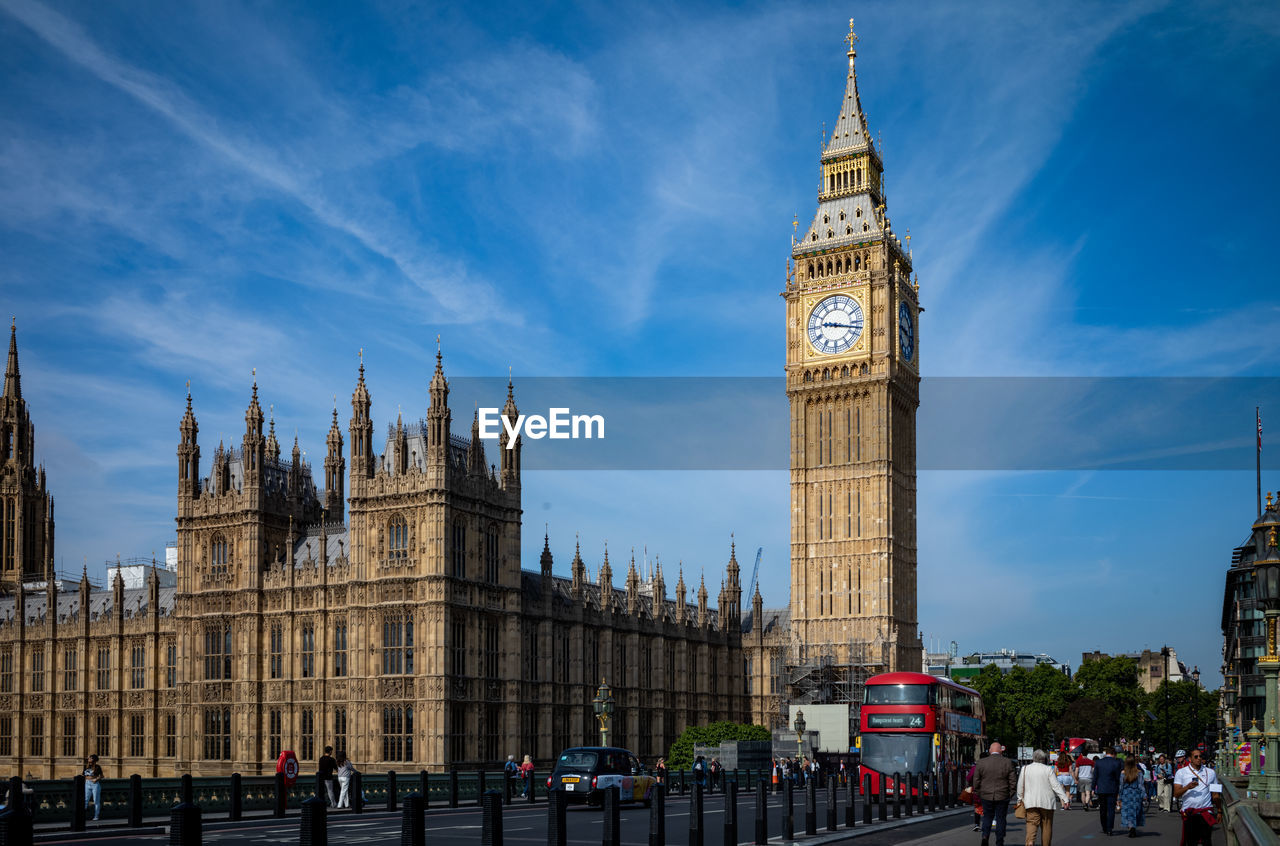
{"type": "Point", "coordinates": [1258, 411]}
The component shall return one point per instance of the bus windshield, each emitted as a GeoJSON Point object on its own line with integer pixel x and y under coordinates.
{"type": "Point", "coordinates": [897, 753]}
{"type": "Point", "coordinates": [897, 694]}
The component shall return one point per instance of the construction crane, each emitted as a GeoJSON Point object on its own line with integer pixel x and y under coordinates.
{"type": "Point", "coordinates": [751, 591]}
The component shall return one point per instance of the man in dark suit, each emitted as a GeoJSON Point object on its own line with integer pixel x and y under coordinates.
{"type": "Point", "coordinates": [994, 782]}
{"type": "Point", "coordinates": [1106, 786]}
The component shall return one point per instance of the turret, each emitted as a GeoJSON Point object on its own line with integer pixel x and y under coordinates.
{"type": "Point", "coordinates": [475, 451]}
{"type": "Point", "coordinates": [221, 470]}
{"type": "Point", "coordinates": [400, 448]}
{"type": "Point", "coordinates": [702, 602]}
{"type": "Point", "coordinates": [633, 587]}
{"type": "Point", "coordinates": [757, 611]}
{"type": "Point", "coordinates": [188, 454]}
{"type": "Point", "coordinates": [295, 469]}
{"type": "Point", "coordinates": [659, 591]}
{"type": "Point", "coordinates": [439, 419]}
{"type": "Point", "coordinates": [545, 560]}
{"type": "Point", "coordinates": [606, 582]}
{"type": "Point", "coordinates": [12, 378]}
{"type": "Point", "coordinates": [117, 592]}
{"type": "Point", "coordinates": [510, 479]}
{"type": "Point", "coordinates": [273, 446]}
{"type": "Point", "coordinates": [335, 468]}
{"type": "Point", "coordinates": [153, 590]}
{"type": "Point", "coordinates": [681, 592]}
{"type": "Point", "coordinates": [578, 571]}
{"type": "Point", "coordinates": [730, 603]}
{"type": "Point", "coordinates": [254, 444]}
{"type": "Point", "coordinates": [361, 429]}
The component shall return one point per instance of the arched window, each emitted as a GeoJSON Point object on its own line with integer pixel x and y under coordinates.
{"type": "Point", "coordinates": [857, 262]}
{"type": "Point", "coordinates": [857, 212]}
{"type": "Point", "coordinates": [828, 265]}
{"type": "Point", "coordinates": [808, 377]}
{"type": "Point", "coordinates": [218, 554]}
{"type": "Point", "coordinates": [844, 371]}
{"type": "Point", "coordinates": [491, 554]}
{"type": "Point", "coordinates": [811, 270]}
{"type": "Point", "coordinates": [459, 549]}
{"type": "Point", "coordinates": [397, 538]}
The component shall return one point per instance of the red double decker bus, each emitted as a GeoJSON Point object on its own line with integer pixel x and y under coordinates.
{"type": "Point", "coordinates": [913, 723]}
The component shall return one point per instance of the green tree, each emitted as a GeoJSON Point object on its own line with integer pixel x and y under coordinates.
{"type": "Point", "coordinates": [681, 755]}
{"type": "Point", "coordinates": [1184, 714]}
{"type": "Point", "coordinates": [990, 684]}
{"type": "Point", "coordinates": [1033, 700]}
{"type": "Point", "coordinates": [1115, 682]}
{"type": "Point", "coordinates": [1088, 717]}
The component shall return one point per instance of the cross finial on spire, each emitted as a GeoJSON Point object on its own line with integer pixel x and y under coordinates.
{"type": "Point", "coordinates": [852, 38]}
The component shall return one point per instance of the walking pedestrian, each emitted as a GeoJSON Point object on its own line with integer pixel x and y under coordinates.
{"type": "Point", "coordinates": [345, 770]}
{"type": "Point", "coordinates": [1194, 784]}
{"type": "Point", "coordinates": [1106, 784]}
{"type": "Point", "coordinates": [328, 766]}
{"type": "Point", "coordinates": [526, 776]}
{"type": "Point", "coordinates": [1132, 792]}
{"type": "Point", "coordinates": [660, 771]}
{"type": "Point", "coordinates": [994, 781]}
{"type": "Point", "coordinates": [1084, 779]}
{"type": "Point", "coordinates": [700, 771]}
{"type": "Point", "coordinates": [1064, 768]}
{"type": "Point", "coordinates": [93, 786]}
{"type": "Point", "coordinates": [1164, 783]}
{"type": "Point", "coordinates": [1040, 790]}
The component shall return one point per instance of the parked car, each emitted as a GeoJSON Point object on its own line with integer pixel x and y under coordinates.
{"type": "Point", "coordinates": [585, 772]}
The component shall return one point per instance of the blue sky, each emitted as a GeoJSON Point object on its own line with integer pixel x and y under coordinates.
{"type": "Point", "coordinates": [602, 190]}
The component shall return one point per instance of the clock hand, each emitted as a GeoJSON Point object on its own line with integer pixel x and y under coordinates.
{"type": "Point", "coordinates": [839, 325]}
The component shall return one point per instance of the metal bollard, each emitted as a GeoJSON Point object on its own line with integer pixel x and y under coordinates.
{"type": "Point", "coordinates": [413, 825]}
{"type": "Point", "coordinates": [235, 808]}
{"type": "Point", "coordinates": [811, 806]}
{"type": "Point", "coordinates": [897, 796]}
{"type": "Point", "coordinates": [506, 788]}
{"type": "Point", "coordinates": [391, 790]}
{"type": "Point", "coordinates": [658, 816]}
{"type": "Point", "coordinates": [15, 819]}
{"type": "Point", "coordinates": [424, 788]}
{"type": "Point", "coordinates": [933, 791]}
{"type": "Point", "coordinates": [788, 811]}
{"type": "Point", "coordinates": [77, 803]}
{"type": "Point", "coordinates": [882, 796]}
{"type": "Point", "coordinates": [135, 801]}
{"type": "Point", "coordinates": [188, 793]}
{"type": "Point", "coordinates": [356, 788]}
{"type": "Point", "coordinates": [831, 802]}
{"type": "Point", "coordinates": [731, 813]}
{"type": "Point", "coordinates": [312, 830]}
{"type": "Point", "coordinates": [281, 797]}
{"type": "Point", "coordinates": [491, 829]}
{"type": "Point", "coordinates": [682, 782]}
{"type": "Point", "coordinates": [557, 833]}
{"type": "Point", "coordinates": [911, 799]}
{"type": "Point", "coordinates": [481, 787]}
{"type": "Point", "coordinates": [851, 790]}
{"type": "Point", "coordinates": [185, 828]}
{"type": "Point", "coordinates": [762, 813]}
{"type": "Point", "coordinates": [453, 788]}
{"type": "Point", "coordinates": [319, 794]}
{"type": "Point", "coordinates": [612, 817]}
{"type": "Point", "coordinates": [533, 787]}
{"type": "Point", "coordinates": [695, 817]}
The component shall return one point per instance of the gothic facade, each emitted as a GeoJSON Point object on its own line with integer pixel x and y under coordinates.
{"type": "Point", "coordinates": [405, 633]}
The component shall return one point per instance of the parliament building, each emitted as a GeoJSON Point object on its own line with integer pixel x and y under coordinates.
{"type": "Point", "coordinates": [385, 611]}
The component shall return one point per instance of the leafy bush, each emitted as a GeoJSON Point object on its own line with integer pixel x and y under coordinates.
{"type": "Point", "coordinates": [681, 755]}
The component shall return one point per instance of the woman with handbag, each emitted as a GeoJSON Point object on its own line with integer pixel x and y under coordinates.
{"type": "Point", "coordinates": [1132, 792]}
{"type": "Point", "coordinates": [1039, 792]}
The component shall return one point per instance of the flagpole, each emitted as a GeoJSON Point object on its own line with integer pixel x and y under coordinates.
{"type": "Point", "coordinates": [1257, 410]}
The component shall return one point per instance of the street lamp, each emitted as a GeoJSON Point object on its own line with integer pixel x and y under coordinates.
{"type": "Point", "coordinates": [799, 726]}
{"type": "Point", "coordinates": [1268, 584]}
{"type": "Point", "coordinates": [1195, 709]}
{"type": "Point", "coordinates": [1168, 746]}
{"type": "Point", "coordinates": [603, 706]}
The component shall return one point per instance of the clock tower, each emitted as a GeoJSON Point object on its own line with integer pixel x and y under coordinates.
{"type": "Point", "coordinates": [853, 382]}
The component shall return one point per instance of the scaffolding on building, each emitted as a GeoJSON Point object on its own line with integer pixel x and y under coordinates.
{"type": "Point", "coordinates": [815, 677]}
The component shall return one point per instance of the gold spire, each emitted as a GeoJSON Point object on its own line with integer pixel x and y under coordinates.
{"type": "Point", "coordinates": [852, 39]}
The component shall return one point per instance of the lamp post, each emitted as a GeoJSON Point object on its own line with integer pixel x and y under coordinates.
{"type": "Point", "coordinates": [1168, 746]}
{"type": "Point", "coordinates": [1196, 735]}
{"type": "Point", "coordinates": [1268, 584]}
{"type": "Point", "coordinates": [799, 727]}
{"type": "Point", "coordinates": [603, 706]}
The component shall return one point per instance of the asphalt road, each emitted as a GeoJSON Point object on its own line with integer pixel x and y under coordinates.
{"type": "Point", "coordinates": [523, 825]}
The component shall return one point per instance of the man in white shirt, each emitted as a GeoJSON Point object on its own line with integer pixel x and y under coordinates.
{"type": "Point", "coordinates": [1164, 784]}
{"type": "Point", "coordinates": [1194, 784]}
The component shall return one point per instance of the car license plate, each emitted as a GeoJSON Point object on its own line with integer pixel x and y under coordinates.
{"type": "Point", "coordinates": [570, 779]}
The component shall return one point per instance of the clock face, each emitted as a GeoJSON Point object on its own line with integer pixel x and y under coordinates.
{"type": "Point", "coordinates": [906, 332]}
{"type": "Point", "coordinates": [835, 324]}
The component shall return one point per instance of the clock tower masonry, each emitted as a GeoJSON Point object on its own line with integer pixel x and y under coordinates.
{"type": "Point", "coordinates": [853, 381]}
